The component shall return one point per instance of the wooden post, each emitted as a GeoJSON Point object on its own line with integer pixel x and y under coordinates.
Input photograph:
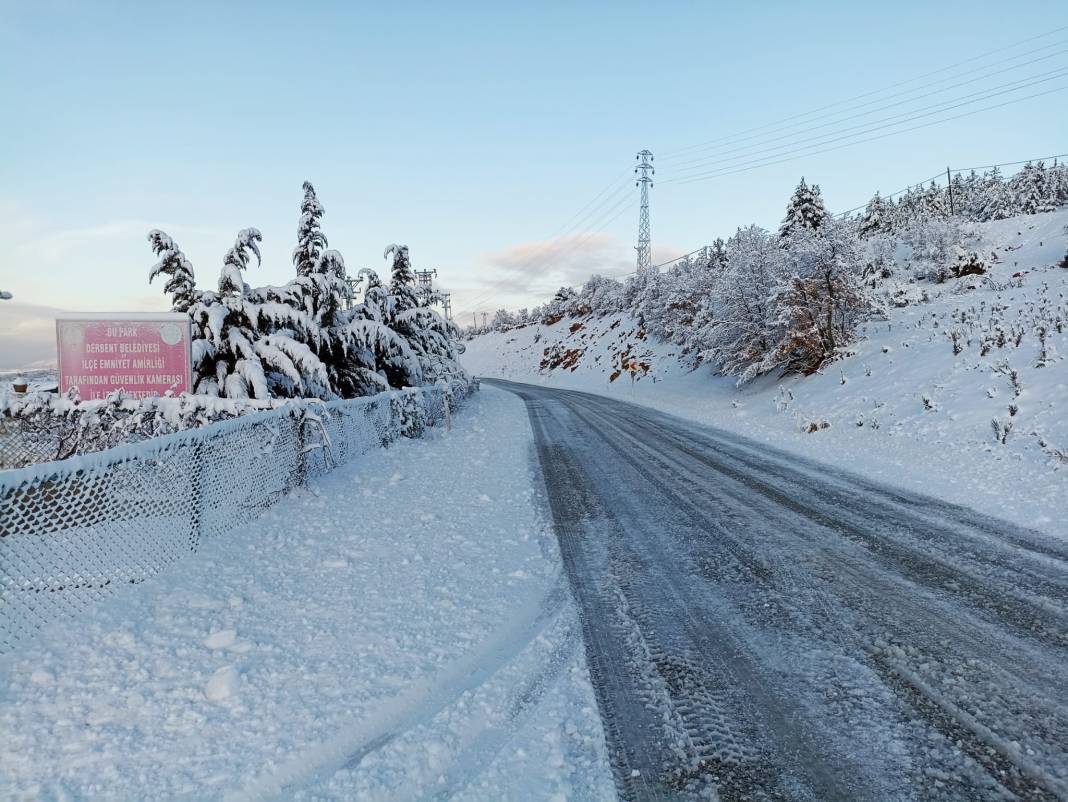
{"type": "Point", "coordinates": [949, 186]}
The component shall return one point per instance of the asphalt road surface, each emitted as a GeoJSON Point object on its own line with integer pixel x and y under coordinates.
{"type": "Point", "coordinates": [762, 627]}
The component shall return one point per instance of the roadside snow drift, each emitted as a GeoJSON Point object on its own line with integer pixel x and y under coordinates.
{"type": "Point", "coordinates": [401, 629]}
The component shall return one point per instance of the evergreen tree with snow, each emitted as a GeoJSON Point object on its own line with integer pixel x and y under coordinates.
{"type": "Point", "coordinates": [311, 241]}
{"type": "Point", "coordinates": [1058, 183]}
{"type": "Point", "coordinates": [428, 335]}
{"type": "Point", "coordinates": [968, 196]}
{"type": "Point", "coordinates": [172, 263]}
{"type": "Point", "coordinates": [320, 282]}
{"type": "Point", "coordinates": [1032, 190]}
{"type": "Point", "coordinates": [805, 209]}
{"type": "Point", "coordinates": [246, 349]}
{"type": "Point", "coordinates": [876, 218]}
{"type": "Point", "coordinates": [717, 257]}
{"type": "Point", "coordinates": [1000, 200]}
{"type": "Point", "coordinates": [933, 201]}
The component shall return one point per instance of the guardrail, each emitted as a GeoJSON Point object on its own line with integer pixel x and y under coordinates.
{"type": "Point", "coordinates": [73, 531]}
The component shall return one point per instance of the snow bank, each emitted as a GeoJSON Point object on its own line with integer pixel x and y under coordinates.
{"type": "Point", "coordinates": [902, 407]}
{"type": "Point", "coordinates": [401, 628]}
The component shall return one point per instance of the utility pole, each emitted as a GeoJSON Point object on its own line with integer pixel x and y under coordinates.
{"type": "Point", "coordinates": [484, 316]}
{"type": "Point", "coordinates": [474, 321]}
{"type": "Point", "coordinates": [426, 284]}
{"type": "Point", "coordinates": [446, 304]}
{"type": "Point", "coordinates": [644, 171]}
{"type": "Point", "coordinates": [352, 283]}
{"type": "Point", "coordinates": [949, 186]}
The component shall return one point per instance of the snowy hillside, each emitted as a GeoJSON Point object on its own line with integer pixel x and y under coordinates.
{"type": "Point", "coordinates": [914, 402]}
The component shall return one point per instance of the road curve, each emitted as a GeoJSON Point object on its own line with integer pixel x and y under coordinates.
{"type": "Point", "coordinates": [762, 627]}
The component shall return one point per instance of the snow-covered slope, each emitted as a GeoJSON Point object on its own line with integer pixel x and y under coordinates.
{"type": "Point", "coordinates": [902, 407]}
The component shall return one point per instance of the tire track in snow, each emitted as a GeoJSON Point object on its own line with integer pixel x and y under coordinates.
{"type": "Point", "coordinates": [743, 552]}
{"type": "Point", "coordinates": [424, 699]}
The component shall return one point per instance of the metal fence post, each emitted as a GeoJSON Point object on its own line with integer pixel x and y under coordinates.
{"type": "Point", "coordinates": [196, 497]}
{"type": "Point", "coordinates": [302, 453]}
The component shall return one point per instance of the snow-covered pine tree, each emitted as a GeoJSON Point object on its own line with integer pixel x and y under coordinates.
{"type": "Point", "coordinates": [310, 238]}
{"type": "Point", "coordinates": [374, 354]}
{"type": "Point", "coordinates": [876, 219]}
{"type": "Point", "coordinates": [1031, 189]}
{"type": "Point", "coordinates": [173, 263]}
{"type": "Point", "coordinates": [717, 256]}
{"type": "Point", "coordinates": [320, 284]}
{"type": "Point", "coordinates": [934, 202]}
{"type": "Point", "coordinates": [1058, 182]}
{"type": "Point", "coordinates": [999, 198]}
{"type": "Point", "coordinates": [428, 335]}
{"type": "Point", "coordinates": [805, 210]}
{"type": "Point", "coordinates": [251, 349]}
{"type": "Point", "coordinates": [968, 195]}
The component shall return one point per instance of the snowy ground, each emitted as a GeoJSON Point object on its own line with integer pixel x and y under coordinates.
{"type": "Point", "coordinates": [873, 400]}
{"type": "Point", "coordinates": [400, 630]}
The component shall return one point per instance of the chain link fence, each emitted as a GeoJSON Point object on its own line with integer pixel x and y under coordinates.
{"type": "Point", "coordinates": [73, 531]}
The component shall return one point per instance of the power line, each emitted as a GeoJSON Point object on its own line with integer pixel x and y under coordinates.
{"type": "Point", "coordinates": [956, 171]}
{"type": "Point", "coordinates": [792, 157]}
{"type": "Point", "coordinates": [599, 225]}
{"type": "Point", "coordinates": [877, 125]}
{"type": "Point", "coordinates": [671, 153]}
{"type": "Point", "coordinates": [1010, 164]}
{"type": "Point", "coordinates": [721, 152]}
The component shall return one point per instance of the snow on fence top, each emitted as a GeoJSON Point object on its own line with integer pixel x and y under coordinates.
{"type": "Point", "coordinates": [73, 531]}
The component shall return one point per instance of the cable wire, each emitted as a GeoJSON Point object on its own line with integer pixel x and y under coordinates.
{"type": "Point", "coordinates": [671, 153]}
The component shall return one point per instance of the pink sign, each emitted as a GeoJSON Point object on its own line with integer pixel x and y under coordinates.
{"type": "Point", "coordinates": [143, 355]}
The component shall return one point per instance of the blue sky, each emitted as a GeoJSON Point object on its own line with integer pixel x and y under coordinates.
{"type": "Point", "coordinates": [470, 131]}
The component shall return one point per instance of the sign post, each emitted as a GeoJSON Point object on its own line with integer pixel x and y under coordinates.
{"type": "Point", "coordinates": [143, 355]}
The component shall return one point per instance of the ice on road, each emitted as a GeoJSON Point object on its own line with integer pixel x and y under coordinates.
{"type": "Point", "coordinates": [762, 627]}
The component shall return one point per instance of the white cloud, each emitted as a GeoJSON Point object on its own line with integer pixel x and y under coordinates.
{"type": "Point", "coordinates": [27, 334]}
{"type": "Point", "coordinates": [528, 273]}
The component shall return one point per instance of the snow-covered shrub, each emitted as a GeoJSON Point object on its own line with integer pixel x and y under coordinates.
{"type": "Point", "coordinates": [742, 326]}
{"type": "Point", "coordinates": [933, 246]}
{"type": "Point", "coordinates": [822, 298]}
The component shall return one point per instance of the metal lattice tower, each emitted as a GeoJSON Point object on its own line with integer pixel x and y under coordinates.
{"type": "Point", "coordinates": [645, 173]}
{"type": "Point", "coordinates": [425, 288]}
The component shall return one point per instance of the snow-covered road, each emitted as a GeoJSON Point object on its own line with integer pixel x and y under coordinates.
{"type": "Point", "coordinates": [766, 627]}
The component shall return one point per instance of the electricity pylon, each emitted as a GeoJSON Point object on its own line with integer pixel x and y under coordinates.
{"type": "Point", "coordinates": [645, 172]}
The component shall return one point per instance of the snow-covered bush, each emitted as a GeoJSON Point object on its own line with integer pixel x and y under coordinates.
{"type": "Point", "coordinates": [55, 427]}
{"type": "Point", "coordinates": [932, 246]}
{"type": "Point", "coordinates": [822, 298]}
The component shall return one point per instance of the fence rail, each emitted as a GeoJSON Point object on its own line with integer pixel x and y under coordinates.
{"type": "Point", "coordinates": [73, 531]}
